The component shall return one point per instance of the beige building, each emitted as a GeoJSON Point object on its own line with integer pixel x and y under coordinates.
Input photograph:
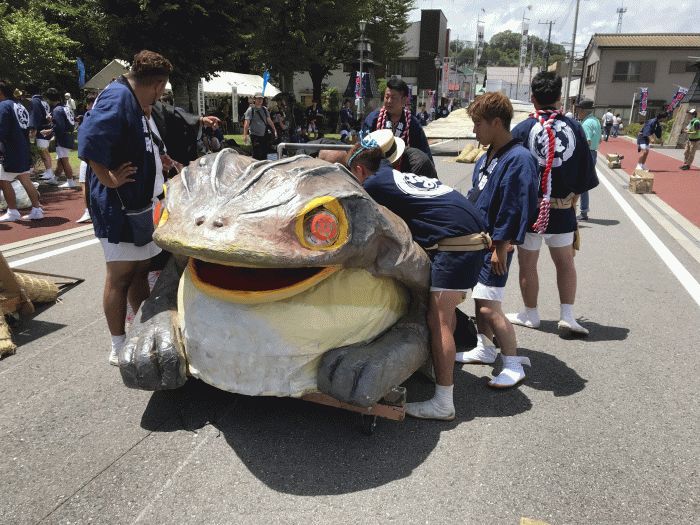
{"type": "Point", "coordinates": [617, 65]}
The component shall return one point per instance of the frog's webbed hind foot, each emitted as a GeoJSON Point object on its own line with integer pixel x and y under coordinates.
{"type": "Point", "coordinates": [362, 374]}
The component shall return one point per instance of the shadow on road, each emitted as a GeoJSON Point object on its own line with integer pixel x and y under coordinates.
{"type": "Point", "coordinates": [301, 448]}
{"type": "Point", "coordinates": [600, 222]}
{"type": "Point", "coordinates": [31, 329]}
{"type": "Point", "coordinates": [598, 332]}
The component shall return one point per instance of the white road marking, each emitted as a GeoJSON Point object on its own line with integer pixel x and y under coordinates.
{"type": "Point", "coordinates": [681, 273]}
{"type": "Point", "coordinates": [52, 253]}
{"type": "Point", "coordinates": [443, 142]}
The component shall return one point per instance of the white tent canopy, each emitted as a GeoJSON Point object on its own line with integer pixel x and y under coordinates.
{"type": "Point", "coordinates": [222, 82]}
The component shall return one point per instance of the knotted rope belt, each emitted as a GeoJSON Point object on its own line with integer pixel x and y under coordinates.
{"type": "Point", "coordinates": [562, 203]}
{"type": "Point", "coordinates": [464, 243]}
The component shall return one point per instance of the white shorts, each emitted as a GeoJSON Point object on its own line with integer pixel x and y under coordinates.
{"type": "Point", "coordinates": [62, 153]}
{"type": "Point", "coordinates": [533, 241]}
{"type": "Point", "coordinates": [9, 176]}
{"type": "Point", "coordinates": [127, 251]}
{"type": "Point", "coordinates": [83, 171]}
{"type": "Point", "coordinates": [489, 293]}
{"type": "Point", "coordinates": [643, 147]}
{"type": "Point", "coordinates": [42, 143]}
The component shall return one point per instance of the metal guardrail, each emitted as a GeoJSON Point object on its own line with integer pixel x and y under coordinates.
{"type": "Point", "coordinates": [300, 145]}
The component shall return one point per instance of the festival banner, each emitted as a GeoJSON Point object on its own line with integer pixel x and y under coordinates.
{"type": "Point", "coordinates": [266, 78]}
{"type": "Point", "coordinates": [357, 85]}
{"type": "Point", "coordinates": [81, 72]}
{"type": "Point", "coordinates": [681, 92]}
{"type": "Point", "coordinates": [643, 99]}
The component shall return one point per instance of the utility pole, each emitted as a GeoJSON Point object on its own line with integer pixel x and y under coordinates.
{"type": "Point", "coordinates": [549, 38]}
{"type": "Point", "coordinates": [532, 59]}
{"type": "Point", "coordinates": [478, 43]}
{"type": "Point", "coordinates": [573, 56]}
{"type": "Point", "coordinates": [620, 11]}
{"type": "Point", "coordinates": [523, 53]}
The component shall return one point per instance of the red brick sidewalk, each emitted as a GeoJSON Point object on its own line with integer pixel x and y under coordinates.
{"type": "Point", "coordinates": [679, 189]}
{"type": "Point", "coordinates": [61, 209]}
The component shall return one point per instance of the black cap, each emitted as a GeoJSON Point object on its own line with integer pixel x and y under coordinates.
{"type": "Point", "coordinates": [585, 103]}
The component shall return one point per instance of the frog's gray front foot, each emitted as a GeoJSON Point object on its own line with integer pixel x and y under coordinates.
{"type": "Point", "coordinates": [362, 374]}
{"type": "Point", "coordinates": [152, 358]}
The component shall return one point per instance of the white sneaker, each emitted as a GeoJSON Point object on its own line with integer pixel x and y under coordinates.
{"type": "Point", "coordinates": [114, 357]}
{"type": "Point", "coordinates": [10, 216]}
{"type": "Point", "coordinates": [512, 372]}
{"type": "Point", "coordinates": [523, 319]}
{"type": "Point", "coordinates": [480, 355]}
{"type": "Point", "coordinates": [430, 410]}
{"type": "Point", "coordinates": [569, 328]}
{"type": "Point", "coordinates": [47, 175]}
{"type": "Point", "coordinates": [34, 215]}
{"type": "Point", "coordinates": [85, 217]}
{"type": "Point", "coordinates": [53, 181]}
{"type": "Point", "coordinates": [70, 183]}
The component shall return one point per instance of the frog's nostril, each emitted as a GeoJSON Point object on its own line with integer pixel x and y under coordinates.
{"type": "Point", "coordinates": [199, 221]}
{"type": "Point", "coordinates": [218, 223]}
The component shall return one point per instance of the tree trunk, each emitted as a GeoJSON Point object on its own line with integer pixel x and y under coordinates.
{"type": "Point", "coordinates": [318, 73]}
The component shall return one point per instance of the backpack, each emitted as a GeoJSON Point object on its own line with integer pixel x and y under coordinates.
{"type": "Point", "coordinates": [608, 118]}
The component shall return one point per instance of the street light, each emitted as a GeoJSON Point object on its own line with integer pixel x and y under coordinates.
{"type": "Point", "coordinates": [360, 106]}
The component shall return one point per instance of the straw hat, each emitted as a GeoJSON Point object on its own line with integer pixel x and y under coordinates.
{"type": "Point", "coordinates": [392, 147]}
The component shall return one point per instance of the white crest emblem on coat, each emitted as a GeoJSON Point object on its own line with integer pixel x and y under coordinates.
{"type": "Point", "coordinates": [22, 115]}
{"type": "Point", "coordinates": [565, 143]}
{"type": "Point", "coordinates": [69, 115]}
{"type": "Point", "coordinates": [418, 186]}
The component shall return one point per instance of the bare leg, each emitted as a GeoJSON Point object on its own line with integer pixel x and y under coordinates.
{"type": "Point", "coordinates": [45, 158]}
{"type": "Point", "coordinates": [65, 164]}
{"type": "Point", "coordinates": [9, 192]}
{"type": "Point", "coordinates": [139, 289]}
{"type": "Point", "coordinates": [563, 259]}
{"type": "Point", "coordinates": [441, 322]}
{"type": "Point", "coordinates": [120, 275]}
{"type": "Point", "coordinates": [492, 315]}
{"type": "Point", "coordinates": [26, 183]}
{"type": "Point", "coordinates": [529, 280]}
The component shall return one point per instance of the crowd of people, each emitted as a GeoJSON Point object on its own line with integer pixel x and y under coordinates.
{"type": "Point", "coordinates": [524, 192]}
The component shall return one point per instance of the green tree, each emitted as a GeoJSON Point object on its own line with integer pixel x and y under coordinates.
{"type": "Point", "coordinates": [318, 35]}
{"type": "Point", "coordinates": [33, 51]}
{"type": "Point", "coordinates": [199, 37]}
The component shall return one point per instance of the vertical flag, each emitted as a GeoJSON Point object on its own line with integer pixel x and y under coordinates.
{"type": "Point", "coordinates": [681, 92]}
{"type": "Point", "coordinates": [81, 73]}
{"type": "Point", "coordinates": [266, 77]}
{"type": "Point", "coordinates": [357, 85]}
{"type": "Point", "coordinates": [643, 98]}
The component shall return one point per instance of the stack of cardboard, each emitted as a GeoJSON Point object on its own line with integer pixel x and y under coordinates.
{"type": "Point", "coordinates": [614, 160]}
{"type": "Point", "coordinates": [642, 181]}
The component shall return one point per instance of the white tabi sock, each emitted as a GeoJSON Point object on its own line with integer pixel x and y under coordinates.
{"type": "Point", "coordinates": [118, 341]}
{"type": "Point", "coordinates": [566, 312]}
{"type": "Point", "coordinates": [441, 406]}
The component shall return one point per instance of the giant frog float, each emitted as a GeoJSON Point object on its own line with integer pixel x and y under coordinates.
{"type": "Point", "coordinates": [287, 279]}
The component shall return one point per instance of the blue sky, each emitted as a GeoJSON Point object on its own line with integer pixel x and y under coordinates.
{"type": "Point", "coordinates": [595, 16]}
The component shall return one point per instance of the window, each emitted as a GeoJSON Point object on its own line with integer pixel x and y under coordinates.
{"type": "Point", "coordinates": [592, 73]}
{"type": "Point", "coordinates": [681, 66]}
{"type": "Point", "coordinates": [637, 71]}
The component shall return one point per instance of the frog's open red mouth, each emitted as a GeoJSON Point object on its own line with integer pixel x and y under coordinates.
{"type": "Point", "coordinates": [253, 285]}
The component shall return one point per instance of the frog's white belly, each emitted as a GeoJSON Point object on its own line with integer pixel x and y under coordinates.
{"type": "Point", "coordinates": [275, 348]}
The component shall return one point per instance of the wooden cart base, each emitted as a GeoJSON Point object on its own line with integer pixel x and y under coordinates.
{"type": "Point", "coordinates": [392, 406]}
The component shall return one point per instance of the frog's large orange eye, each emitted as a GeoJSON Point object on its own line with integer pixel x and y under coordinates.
{"type": "Point", "coordinates": [320, 227]}
{"type": "Point", "coordinates": [322, 224]}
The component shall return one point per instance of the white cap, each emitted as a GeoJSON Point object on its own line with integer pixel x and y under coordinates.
{"type": "Point", "coordinates": [692, 110]}
{"type": "Point", "coordinates": [67, 95]}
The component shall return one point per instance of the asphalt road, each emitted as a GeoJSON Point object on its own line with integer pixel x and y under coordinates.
{"type": "Point", "coordinates": [604, 430]}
